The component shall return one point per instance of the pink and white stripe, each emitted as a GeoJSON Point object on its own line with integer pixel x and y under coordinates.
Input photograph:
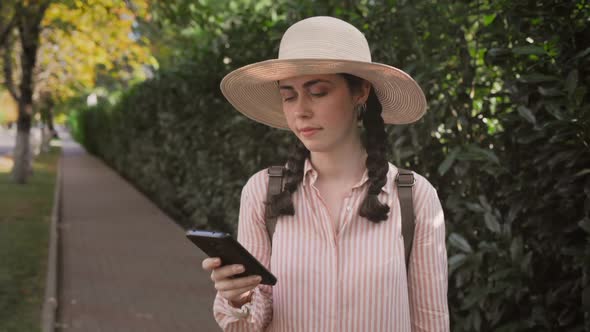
{"type": "Point", "coordinates": [343, 276]}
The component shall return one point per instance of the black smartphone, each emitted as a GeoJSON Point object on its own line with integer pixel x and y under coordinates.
{"type": "Point", "coordinates": [230, 251]}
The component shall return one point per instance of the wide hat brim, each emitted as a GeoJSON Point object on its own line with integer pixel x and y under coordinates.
{"type": "Point", "coordinates": [254, 91]}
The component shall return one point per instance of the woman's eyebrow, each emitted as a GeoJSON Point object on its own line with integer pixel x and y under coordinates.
{"type": "Point", "coordinates": [306, 84]}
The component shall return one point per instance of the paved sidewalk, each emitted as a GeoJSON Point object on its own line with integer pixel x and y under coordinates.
{"type": "Point", "coordinates": [125, 266]}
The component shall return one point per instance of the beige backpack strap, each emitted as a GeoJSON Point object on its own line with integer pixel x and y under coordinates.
{"type": "Point", "coordinates": [275, 186]}
{"type": "Point", "coordinates": [405, 181]}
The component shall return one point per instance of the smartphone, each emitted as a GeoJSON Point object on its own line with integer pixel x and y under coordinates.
{"type": "Point", "coordinates": [230, 251]}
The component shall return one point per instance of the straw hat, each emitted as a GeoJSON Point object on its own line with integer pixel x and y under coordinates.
{"type": "Point", "coordinates": [321, 45]}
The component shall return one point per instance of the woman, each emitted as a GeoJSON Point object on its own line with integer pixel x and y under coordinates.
{"type": "Point", "coordinates": [337, 250]}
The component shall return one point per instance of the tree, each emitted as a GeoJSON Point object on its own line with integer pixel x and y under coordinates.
{"type": "Point", "coordinates": [86, 45]}
{"type": "Point", "coordinates": [59, 49]}
{"type": "Point", "coordinates": [89, 44]}
{"type": "Point", "coordinates": [7, 19]}
{"type": "Point", "coordinates": [27, 21]}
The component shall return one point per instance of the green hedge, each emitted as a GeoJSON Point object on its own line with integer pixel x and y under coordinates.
{"type": "Point", "coordinates": [180, 142]}
{"type": "Point", "coordinates": [505, 141]}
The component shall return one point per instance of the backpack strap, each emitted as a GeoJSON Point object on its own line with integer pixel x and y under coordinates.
{"type": "Point", "coordinates": [405, 181]}
{"type": "Point", "coordinates": [275, 186]}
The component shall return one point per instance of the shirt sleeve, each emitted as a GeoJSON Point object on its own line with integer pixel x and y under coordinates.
{"type": "Point", "coordinates": [428, 274]}
{"type": "Point", "coordinates": [252, 234]}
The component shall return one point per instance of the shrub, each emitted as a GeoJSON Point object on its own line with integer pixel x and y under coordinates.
{"type": "Point", "coordinates": [505, 141]}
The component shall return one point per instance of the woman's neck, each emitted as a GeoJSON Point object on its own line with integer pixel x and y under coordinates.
{"type": "Point", "coordinates": [346, 163]}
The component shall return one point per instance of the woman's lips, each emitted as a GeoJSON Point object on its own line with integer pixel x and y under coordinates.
{"type": "Point", "coordinates": [308, 132]}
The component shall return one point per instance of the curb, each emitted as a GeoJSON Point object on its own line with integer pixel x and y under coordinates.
{"type": "Point", "coordinates": [50, 304]}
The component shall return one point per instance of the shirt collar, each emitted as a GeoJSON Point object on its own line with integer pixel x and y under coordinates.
{"type": "Point", "coordinates": [310, 175]}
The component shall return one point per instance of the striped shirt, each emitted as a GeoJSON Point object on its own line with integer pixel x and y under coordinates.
{"type": "Point", "coordinates": [348, 276]}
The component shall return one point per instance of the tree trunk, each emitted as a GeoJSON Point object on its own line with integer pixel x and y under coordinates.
{"type": "Point", "coordinates": [22, 156]}
{"type": "Point", "coordinates": [29, 25]}
{"type": "Point", "coordinates": [46, 135]}
{"type": "Point", "coordinates": [22, 167]}
{"type": "Point", "coordinates": [47, 131]}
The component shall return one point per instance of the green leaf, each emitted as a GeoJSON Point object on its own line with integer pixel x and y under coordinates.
{"type": "Point", "coordinates": [554, 110]}
{"type": "Point", "coordinates": [582, 172]}
{"type": "Point", "coordinates": [579, 94]}
{"type": "Point", "coordinates": [498, 52]}
{"type": "Point", "coordinates": [571, 82]}
{"type": "Point", "coordinates": [448, 162]}
{"type": "Point", "coordinates": [501, 274]}
{"type": "Point", "coordinates": [516, 249]}
{"type": "Point", "coordinates": [460, 243]}
{"type": "Point", "coordinates": [484, 246]}
{"type": "Point", "coordinates": [484, 202]}
{"type": "Point", "coordinates": [456, 261]}
{"type": "Point", "coordinates": [473, 152]}
{"type": "Point", "coordinates": [476, 316]}
{"type": "Point", "coordinates": [489, 19]}
{"type": "Point", "coordinates": [530, 137]}
{"type": "Point", "coordinates": [475, 207]}
{"type": "Point", "coordinates": [550, 92]}
{"type": "Point", "coordinates": [526, 114]}
{"type": "Point", "coordinates": [582, 53]}
{"type": "Point", "coordinates": [536, 78]}
{"type": "Point", "coordinates": [525, 263]}
{"type": "Point", "coordinates": [492, 223]}
{"type": "Point", "coordinates": [528, 50]}
{"type": "Point", "coordinates": [474, 296]}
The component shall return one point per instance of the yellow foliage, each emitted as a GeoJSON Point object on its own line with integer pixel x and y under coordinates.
{"type": "Point", "coordinates": [8, 108]}
{"type": "Point", "coordinates": [93, 35]}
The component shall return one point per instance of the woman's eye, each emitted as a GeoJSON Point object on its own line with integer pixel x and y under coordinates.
{"type": "Point", "coordinates": [318, 94]}
{"type": "Point", "coordinates": [289, 98]}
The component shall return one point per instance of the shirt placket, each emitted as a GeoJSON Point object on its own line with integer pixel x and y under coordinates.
{"type": "Point", "coordinates": [345, 214]}
{"type": "Point", "coordinates": [331, 229]}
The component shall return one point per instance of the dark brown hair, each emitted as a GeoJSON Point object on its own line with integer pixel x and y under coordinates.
{"type": "Point", "coordinates": [375, 143]}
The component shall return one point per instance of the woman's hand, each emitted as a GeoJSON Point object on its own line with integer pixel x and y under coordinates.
{"type": "Point", "coordinates": [237, 291]}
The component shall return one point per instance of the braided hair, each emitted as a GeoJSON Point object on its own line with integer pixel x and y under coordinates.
{"type": "Point", "coordinates": [281, 204]}
{"type": "Point", "coordinates": [375, 143]}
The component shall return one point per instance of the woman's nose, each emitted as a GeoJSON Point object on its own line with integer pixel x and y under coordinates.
{"type": "Point", "coordinates": [303, 108]}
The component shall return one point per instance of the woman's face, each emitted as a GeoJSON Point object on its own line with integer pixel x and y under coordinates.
{"type": "Point", "coordinates": [320, 110]}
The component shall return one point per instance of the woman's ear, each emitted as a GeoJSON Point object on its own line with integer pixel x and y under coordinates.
{"type": "Point", "coordinates": [364, 92]}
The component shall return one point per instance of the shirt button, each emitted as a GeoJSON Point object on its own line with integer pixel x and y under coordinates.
{"type": "Point", "coordinates": [348, 208]}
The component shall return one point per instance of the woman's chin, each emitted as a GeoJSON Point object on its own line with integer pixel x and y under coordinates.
{"type": "Point", "coordinates": [315, 146]}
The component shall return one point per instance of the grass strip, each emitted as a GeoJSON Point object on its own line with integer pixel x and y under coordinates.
{"type": "Point", "coordinates": [25, 217]}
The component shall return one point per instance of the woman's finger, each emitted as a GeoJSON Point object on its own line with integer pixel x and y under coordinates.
{"type": "Point", "coordinates": [231, 284]}
{"type": "Point", "coordinates": [236, 294]}
{"type": "Point", "coordinates": [210, 263]}
{"type": "Point", "coordinates": [225, 272]}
